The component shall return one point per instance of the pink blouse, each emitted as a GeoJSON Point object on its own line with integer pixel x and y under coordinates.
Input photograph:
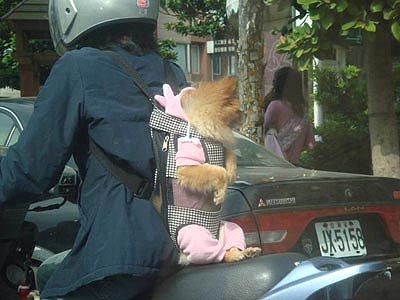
{"type": "Point", "coordinates": [276, 116]}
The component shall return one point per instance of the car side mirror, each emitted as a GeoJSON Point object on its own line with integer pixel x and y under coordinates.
{"type": "Point", "coordinates": [67, 186]}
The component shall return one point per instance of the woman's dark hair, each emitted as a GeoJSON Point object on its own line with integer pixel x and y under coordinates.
{"type": "Point", "coordinates": [287, 85]}
{"type": "Point", "coordinates": [136, 38]}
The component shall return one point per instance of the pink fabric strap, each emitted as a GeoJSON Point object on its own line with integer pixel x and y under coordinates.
{"type": "Point", "coordinates": [190, 152]}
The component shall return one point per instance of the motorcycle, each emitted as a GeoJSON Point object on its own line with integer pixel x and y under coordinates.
{"type": "Point", "coordinates": [271, 277]}
{"type": "Point", "coordinates": [281, 276]}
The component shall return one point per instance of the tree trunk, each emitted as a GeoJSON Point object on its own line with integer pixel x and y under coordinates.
{"type": "Point", "coordinates": [250, 53]}
{"type": "Point", "coordinates": [383, 125]}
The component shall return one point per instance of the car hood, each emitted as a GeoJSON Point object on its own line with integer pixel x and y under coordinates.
{"type": "Point", "coordinates": [257, 175]}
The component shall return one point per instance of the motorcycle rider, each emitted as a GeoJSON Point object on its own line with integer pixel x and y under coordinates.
{"type": "Point", "coordinates": [122, 243]}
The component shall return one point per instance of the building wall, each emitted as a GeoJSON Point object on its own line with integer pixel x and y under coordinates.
{"type": "Point", "coordinates": [189, 42]}
{"type": "Point", "coordinates": [164, 34]}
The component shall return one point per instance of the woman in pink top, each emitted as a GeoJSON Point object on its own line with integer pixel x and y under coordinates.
{"type": "Point", "coordinates": [287, 129]}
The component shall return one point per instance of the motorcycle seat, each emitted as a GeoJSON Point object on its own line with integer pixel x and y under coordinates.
{"type": "Point", "coordinates": [244, 280]}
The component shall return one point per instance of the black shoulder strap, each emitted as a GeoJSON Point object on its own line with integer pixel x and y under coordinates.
{"type": "Point", "coordinates": [137, 79]}
{"type": "Point", "coordinates": [170, 76]}
{"type": "Point", "coordinates": [139, 186]}
{"type": "Point", "coordinates": [136, 184]}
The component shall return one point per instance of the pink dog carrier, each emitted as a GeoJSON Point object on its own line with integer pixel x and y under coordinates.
{"type": "Point", "coordinates": [166, 130]}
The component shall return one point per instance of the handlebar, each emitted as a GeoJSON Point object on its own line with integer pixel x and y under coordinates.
{"type": "Point", "coordinates": [12, 213]}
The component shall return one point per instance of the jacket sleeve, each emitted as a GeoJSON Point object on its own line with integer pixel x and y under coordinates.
{"type": "Point", "coordinates": [34, 164]}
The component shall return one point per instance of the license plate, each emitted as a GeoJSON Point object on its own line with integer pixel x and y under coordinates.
{"type": "Point", "coordinates": [341, 238]}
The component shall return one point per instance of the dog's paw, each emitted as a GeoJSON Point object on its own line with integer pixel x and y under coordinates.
{"type": "Point", "coordinates": [183, 260]}
{"type": "Point", "coordinates": [219, 197]}
{"type": "Point", "coordinates": [220, 194]}
{"type": "Point", "coordinates": [251, 252]}
{"type": "Point", "coordinates": [233, 255]}
{"type": "Point", "coordinates": [34, 295]}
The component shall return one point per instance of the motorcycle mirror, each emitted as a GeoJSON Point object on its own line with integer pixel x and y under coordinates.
{"type": "Point", "coordinates": [67, 186]}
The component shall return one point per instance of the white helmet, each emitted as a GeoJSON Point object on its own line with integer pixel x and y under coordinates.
{"type": "Point", "coordinates": [69, 20]}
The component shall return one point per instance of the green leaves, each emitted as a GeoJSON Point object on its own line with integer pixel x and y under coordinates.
{"type": "Point", "coordinates": [304, 64]}
{"type": "Point", "coordinates": [345, 125]}
{"type": "Point", "coordinates": [327, 21]}
{"type": "Point", "coordinates": [314, 14]}
{"type": "Point", "coordinates": [370, 26]}
{"type": "Point", "coordinates": [376, 6]}
{"type": "Point", "coordinates": [8, 65]}
{"type": "Point", "coordinates": [200, 18]}
{"type": "Point", "coordinates": [299, 53]}
{"type": "Point", "coordinates": [396, 30]}
{"type": "Point", "coordinates": [301, 45]}
{"type": "Point", "coordinates": [348, 25]}
{"type": "Point", "coordinates": [166, 49]}
{"type": "Point", "coordinates": [307, 2]}
{"type": "Point", "coordinates": [389, 13]}
{"type": "Point", "coordinates": [335, 21]}
{"type": "Point", "coordinates": [341, 6]}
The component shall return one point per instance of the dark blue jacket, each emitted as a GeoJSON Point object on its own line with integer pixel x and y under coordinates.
{"type": "Point", "coordinates": [87, 94]}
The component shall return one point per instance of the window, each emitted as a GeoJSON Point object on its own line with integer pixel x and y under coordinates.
{"type": "Point", "coordinates": [195, 59]}
{"type": "Point", "coordinates": [232, 65]}
{"type": "Point", "coordinates": [182, 61]}
{"type": "Point", "coordinates": [6, 125]}
{"type": "Point", "coordinates": [216, 64]}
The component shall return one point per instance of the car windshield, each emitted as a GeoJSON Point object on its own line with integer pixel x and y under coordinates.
{"type": "Point", "coordinates": [250, 154]}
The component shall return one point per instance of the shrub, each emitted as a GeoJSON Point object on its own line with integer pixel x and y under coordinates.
{"type": "Point", "coordinates": [344, 144]}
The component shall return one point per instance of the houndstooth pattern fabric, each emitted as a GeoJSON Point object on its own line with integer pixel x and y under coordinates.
{"type": "Point", "coordinates": [181, 216]}
{"type": "Point", "coordinates": [159, 120]}
{"type": "Point", "coordinates": [162, 121]}
{"type": "Point", "coordinates": [214, 153]}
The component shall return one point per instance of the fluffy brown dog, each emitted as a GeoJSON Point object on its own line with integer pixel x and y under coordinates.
{"type": "Point", "coordinates": [213, 108]}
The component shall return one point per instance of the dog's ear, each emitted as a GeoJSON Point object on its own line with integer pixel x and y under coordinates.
{"type": "Point", "coordinates": [214, 108]}
{"type": "Point", "coordinates": [228, 85]}
{"type": "Point", "coordinates": [231, 104]}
